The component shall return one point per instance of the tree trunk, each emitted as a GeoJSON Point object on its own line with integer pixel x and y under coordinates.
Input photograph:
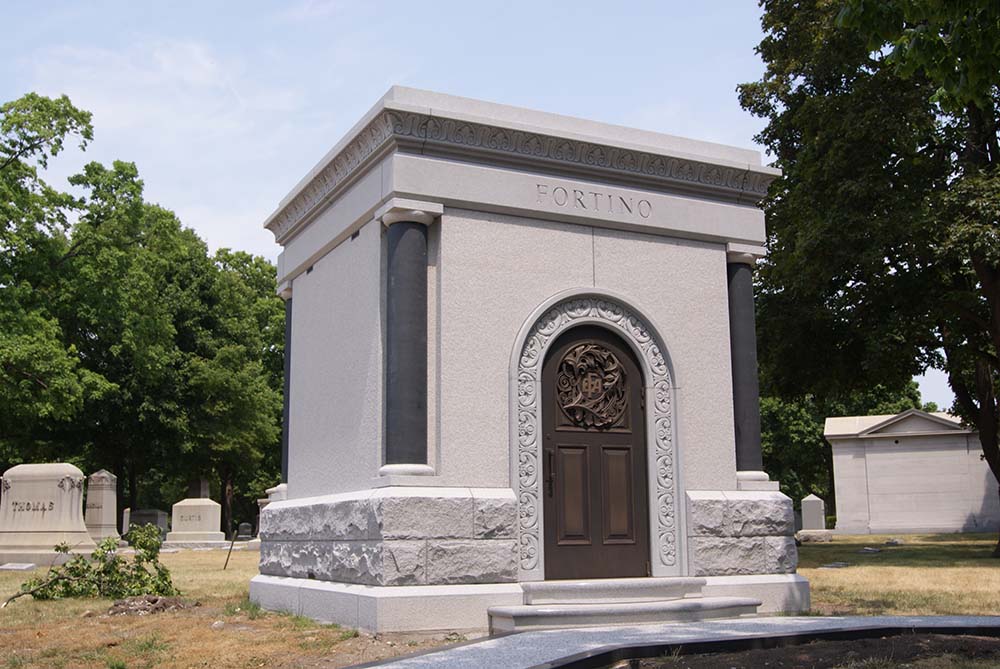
{"type": "Point", "coordinates": [133, 493]}
{"type": "Point", "coordinates": [996, 549]}
{"type": "Point", "coordinates": [226, 478]}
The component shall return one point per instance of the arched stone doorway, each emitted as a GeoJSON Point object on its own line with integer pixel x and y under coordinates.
{"type": "Point", "coordinates": [559, 314]}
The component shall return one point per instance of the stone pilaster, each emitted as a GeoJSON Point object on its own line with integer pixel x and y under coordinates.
{"type": "Point", "coordinates": [743, 351]}
{"type": "Point", "coordinates": [406, 341]}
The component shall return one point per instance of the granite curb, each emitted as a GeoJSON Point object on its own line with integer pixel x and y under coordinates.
{"type": "Point", "coordinates": [553, 648]}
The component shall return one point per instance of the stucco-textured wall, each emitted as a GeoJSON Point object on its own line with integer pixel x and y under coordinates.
{"type": "Point", "coordinates": [492, 271]}
{"type": "Point", "coordinates": [914, 484]}
{"type": "Point", "coordinates": [335, 402]}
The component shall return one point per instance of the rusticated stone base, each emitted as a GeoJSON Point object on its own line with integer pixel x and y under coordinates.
{"type": "Point", "coordinates": [740, 533]}
{"type": "Point", "coordinates": [393, 537]}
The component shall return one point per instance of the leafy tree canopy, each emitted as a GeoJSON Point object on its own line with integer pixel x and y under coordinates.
{"type": "Point", "coordinates": [124, 344]}
{"type": "Point", "coordinates": [883, 249]}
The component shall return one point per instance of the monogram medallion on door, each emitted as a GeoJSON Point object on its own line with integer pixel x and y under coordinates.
{"type": "Point", "coordinates": [594, 468]}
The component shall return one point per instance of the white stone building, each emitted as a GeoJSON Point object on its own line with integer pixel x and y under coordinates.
{"type": "Point", "coordinates": [910, 472]}
{"type": "Point", "coordinates": [521, 363]}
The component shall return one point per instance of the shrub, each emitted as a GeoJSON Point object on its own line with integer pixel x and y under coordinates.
{"type": "Point", "coordinates": [106, 573]}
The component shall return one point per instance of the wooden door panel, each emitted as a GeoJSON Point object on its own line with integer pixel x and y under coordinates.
{"type": "Point", "coordinates": [617, 495]}
{"type": "Point", "coordinates": [593, 423]}
{"type": "Point", "coordinates": [573, 495]}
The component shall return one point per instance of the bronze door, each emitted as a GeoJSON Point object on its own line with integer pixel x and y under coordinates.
{"type": "Point", "coordinates": [594, 458]}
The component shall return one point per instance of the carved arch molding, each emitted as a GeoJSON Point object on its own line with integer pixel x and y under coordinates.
{"type": "Point", "coordinates": [527, 450]}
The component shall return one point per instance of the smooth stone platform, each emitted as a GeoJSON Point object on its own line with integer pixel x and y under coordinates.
{"type": "Point", "coordinates": [18, 566]}
{"type": "Point", "coordinates": [520, 618]}
{"type": "Point", "coordinates": [527, 650]}
{"type": "Point", "coordinates": [610, 590]}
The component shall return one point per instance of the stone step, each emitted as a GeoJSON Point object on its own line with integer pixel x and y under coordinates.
{"type": "Point", "coordinates": [524, 617]}
{"type": "Point", "coordinates": [611, 590]}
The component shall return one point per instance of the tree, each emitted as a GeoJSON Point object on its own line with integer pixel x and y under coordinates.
{"type": "Point", "coordinates": [883, 249]}
{"type": "Point", "coordinates": [40, 379]}
{"type": "Point", "coordinates": [123, 344]}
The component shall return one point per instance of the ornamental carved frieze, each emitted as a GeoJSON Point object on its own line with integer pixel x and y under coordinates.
{"type": "Point", "coordinates": [526, 446]}
{"type": "Point", "coordinates": [590, 386]}
{"type": "Point", "coordinates": [448, 136]}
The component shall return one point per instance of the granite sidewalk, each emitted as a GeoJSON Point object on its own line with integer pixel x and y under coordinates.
{"type": "Point", "coordinates": [549, 648]}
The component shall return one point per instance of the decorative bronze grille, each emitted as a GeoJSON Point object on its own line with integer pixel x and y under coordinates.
{"type": "Point", "coordinates": [590, 386]}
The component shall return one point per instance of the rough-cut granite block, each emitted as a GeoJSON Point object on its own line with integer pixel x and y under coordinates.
{"type": "Point", "coordinates": [354, 562]}
{"type": "Point", "coordinates": [342, 520]}
{"type": "Point", "coordinates": [726, 556]}
{"type": "Point", "coordinates": [413, 517]}
{"type": "Point", "coordinates": [707, 513]}
{"type": "Point", "coordinates": [297, 559]}
{"type": "Point", "coordinates": [480, 561]}
{"type": "Point", "coordinates": [496, 518]}
{"type": "Point", "coordinates": [739, 514]}
{"type": "Point", "coordinates": [760, 514]}
{"type": "Point", "coordinates": [782, 555]}
{"type": "Point", "coordinates": [404, 563]}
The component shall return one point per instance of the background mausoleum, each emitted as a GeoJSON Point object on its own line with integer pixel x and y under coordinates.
{"type": "Point", "coordinates": [521, 371]}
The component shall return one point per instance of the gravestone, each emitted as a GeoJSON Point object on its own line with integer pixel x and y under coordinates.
{"type": "Point", "coordinates": [156, 517]}
{"type": "Point", "coordinates": [102, 505]}
{"type": "Point", "coordinates": [813, 513]}
{"type": "Point", "coordinates": [195, 523]}
{"type": "Point", "coordinates": [814, 521]}
{"type": "Point", "coordinates": [42, 506]}
{"type": "Point", "coordinates": [244, 532]}
{"type": "Point", "coordinates": [522, 351]}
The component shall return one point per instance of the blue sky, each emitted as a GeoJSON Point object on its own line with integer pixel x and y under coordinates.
{"type": "Point", "coordinates": [224, 106]}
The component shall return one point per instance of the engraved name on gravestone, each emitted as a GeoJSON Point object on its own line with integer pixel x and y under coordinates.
{"type": "Point", "coordinates": [102, 503]}
{"type": "Point", "coordinates": [42, 506]}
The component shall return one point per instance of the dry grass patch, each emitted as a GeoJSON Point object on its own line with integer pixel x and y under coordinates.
{"type": "Point", "coordinates": [939, 574]}
{"type": "Point", "coordinates": [77, 633]}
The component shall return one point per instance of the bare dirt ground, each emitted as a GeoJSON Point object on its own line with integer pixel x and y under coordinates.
{"type": "Point", "coordinates": [921, 651]}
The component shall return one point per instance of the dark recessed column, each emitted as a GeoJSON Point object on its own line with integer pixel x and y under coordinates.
{"type": "Point", "coordinates": [743, 350]}
{"type": "Point", "coordinates": [287, 379]}
{"type": "Point", "coordinates": [406, 339]}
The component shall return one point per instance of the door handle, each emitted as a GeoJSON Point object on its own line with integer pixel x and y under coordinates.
{"type": "Point", "coordinates": [550, 480]}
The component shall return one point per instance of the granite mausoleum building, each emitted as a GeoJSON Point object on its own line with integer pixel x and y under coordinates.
{"type": "Point", "coordinates": [910, 472]}
{"type": "Point", "coordinates": [521, 378]}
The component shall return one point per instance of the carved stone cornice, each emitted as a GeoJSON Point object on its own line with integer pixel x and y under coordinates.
{"type": "Point", "coordinates": [434, 135]}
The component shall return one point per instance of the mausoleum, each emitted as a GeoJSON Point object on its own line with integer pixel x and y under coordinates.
{"type": "Point", "coordinates": [910, 472]}
{"type": "Point", "coordinates": [521, 378]}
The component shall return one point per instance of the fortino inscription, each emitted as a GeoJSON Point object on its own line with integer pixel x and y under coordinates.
{"type": "Point", "coordinates": [595, 201]}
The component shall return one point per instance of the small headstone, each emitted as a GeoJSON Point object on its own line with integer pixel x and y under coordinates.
{"type": "Point", "coordinates": [835, 565]}
{"type": "Point", "coordinates": [870, 549]}
{"type": "Point", "coordinates": [102, 503]}
{"type": "Point", "coordinates": [813, 513]}
{"type": "Point", "coordinates": [42, 506]}
{"type": "Point", "coordinates": [126, 514]}
{"type": "Point", "coordinates": [150, 517]}
{"type": "Point", "coordinates": [245, 532]}
{"type": "Point", "coordinates": [196, 522]}
{"type": "Point", "coordinates": [18, 566]}
{"type": "Point", "coordinates": [894, 542]}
